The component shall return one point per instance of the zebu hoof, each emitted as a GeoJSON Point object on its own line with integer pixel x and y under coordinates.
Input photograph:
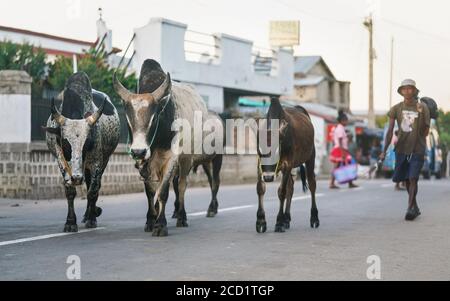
{"type": "Point", "coordinates": [91, 224]}
{"type": "Point", "coordinates": [175, 214]}
{"type": "Point", "coordinates": [84, 219]}
{"type": "Point", "coordinates": [211, 214]}
{"type": "Point", "coordinates": [148, 228]}
{"type": "Point", "coordinates": [70, 228]}
{"type": "Point", "coordinates": [212, 210]}
{"type": "Point", "coordinates": [182, 223]}
{"type": "Point", "coordinates": [98, 211]}
{"type": "Point", "coordinates": [315, 223]}
{"type": "Point", "coordinates": [279, 228]}
{"type": "Point", "coordinates": [149, 225]}
{"type": "Point", "coordinates": [261, 226]}
{"type": "Point", "coordinates": [160, 231]}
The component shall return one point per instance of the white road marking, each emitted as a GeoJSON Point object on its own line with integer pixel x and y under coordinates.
{"type": "Point", "coordinates": [252, 206]}
{"type": "Point", "coordinates": [305, 197]}
{"type": "Point", "coordinates": [222, 210]}
{"type": "Point", "coordinates": [22, 240]}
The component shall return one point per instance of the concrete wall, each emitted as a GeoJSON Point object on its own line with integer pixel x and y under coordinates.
{"type": "Point", "coordinates": [15, 106]}
{"type": "Point", "coordinates": [29, 171]}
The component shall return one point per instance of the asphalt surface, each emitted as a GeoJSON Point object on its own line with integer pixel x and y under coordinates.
{"type": "Point", "coordinates": [354, 225]}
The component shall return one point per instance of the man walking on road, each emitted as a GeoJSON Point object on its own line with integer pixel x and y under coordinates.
{"type": "Point", "coordinates": [413, 119]}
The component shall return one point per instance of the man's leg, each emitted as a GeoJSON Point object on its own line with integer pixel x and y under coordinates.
{"type": "Point", "coordinates": [413, 210]}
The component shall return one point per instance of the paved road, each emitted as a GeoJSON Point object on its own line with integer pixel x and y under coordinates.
{"type": "Point", "coordinates": [354, 225]}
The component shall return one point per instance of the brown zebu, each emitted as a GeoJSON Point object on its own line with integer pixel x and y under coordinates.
{"type": "Point", "coordinates": [295, 149]}
{"type": "Point", "coordinates": [150, 115]}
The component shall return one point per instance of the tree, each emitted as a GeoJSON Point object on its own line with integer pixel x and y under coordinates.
{"type": "Point", "coordinates": [94, 63]}
{"type": "Point", "coordinates": [27, 58]}
{"type": "Point", "coordinates": [444, 127]}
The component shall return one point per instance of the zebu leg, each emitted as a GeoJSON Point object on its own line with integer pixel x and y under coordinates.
{"type": "Point", "coordinates": [212, 170]}
{"type": "Point", "coordinates": [282, 190]}
{"type": "Point", "coordinates": [92, 197]}
{"type": "Point", "coordinates": [98, 210]}
{"type": "Point", "coordinates": [177, 196]}
{"type": "Point", "coordinates": [160, 227]}
{"type": "Point", "coordinates": [162, 193]}
{"type": "Point", "coordinates": [151, 213]}
{"type": "Point", "coordinates": [289, 194]}
{"type": "Point", "coordinates": [71, 222]}
{"type": "Point", "coordinates": [315, 223]}
{"type": "Point", "coordinates": [181, 214]}
{"type": "Point", "coordinates": [261, 224]}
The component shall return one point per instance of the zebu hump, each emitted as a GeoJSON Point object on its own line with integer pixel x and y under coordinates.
{"type": "Point", "coordinates": [98, 98]}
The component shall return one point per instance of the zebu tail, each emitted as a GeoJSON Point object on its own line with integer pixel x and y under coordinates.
{"type": "Point", "coordinates": [303, 177]}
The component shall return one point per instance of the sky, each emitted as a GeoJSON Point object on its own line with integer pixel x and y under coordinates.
{"type": "Point", "coordinates": [330, 28]}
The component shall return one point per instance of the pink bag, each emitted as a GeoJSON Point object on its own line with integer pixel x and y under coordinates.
{"type": "Point", "coordinates": [346, 173]}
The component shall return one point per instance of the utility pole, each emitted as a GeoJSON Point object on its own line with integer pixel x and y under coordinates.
{"type": "Point", "coordinates": [368, 23]}
{"type": "Point", "coordinates": [392, 71]}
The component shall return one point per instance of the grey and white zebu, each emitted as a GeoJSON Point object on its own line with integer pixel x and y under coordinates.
{"type": "Point", "coordinates": [150, 115]}
{"type": "Point", "coordinates": [82, 135]}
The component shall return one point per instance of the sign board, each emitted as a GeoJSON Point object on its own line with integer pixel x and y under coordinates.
{"type": "Point", "coordinates": [284, 33]}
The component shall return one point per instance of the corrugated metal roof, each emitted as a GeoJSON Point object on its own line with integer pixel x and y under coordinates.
{"type": "Point", "coordinates": [309, 81]}
{"type": "Point", "coordinates": [304, 63]}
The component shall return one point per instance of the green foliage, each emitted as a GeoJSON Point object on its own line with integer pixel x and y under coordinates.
{"type": "Point", "coordinates": [27, 58]}
{"type": "Point", "coordinates": [380, 121]}
{"type": "Point", "coordinates": [95, 64]}
{"type": "Point", "coordinates": [444, 127]}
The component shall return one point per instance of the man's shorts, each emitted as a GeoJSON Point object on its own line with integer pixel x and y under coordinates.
{"type": "Point", "coordinates": [407, 167]}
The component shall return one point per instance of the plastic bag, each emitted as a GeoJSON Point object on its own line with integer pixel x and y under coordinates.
{"type": "Point", "coordinates": [346, 173]}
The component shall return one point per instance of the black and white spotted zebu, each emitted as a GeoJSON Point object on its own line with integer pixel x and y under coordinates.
{"type": "Point", "coordinates": [150, 115]}
{"type": "Point", "coordinates": [82, 135]}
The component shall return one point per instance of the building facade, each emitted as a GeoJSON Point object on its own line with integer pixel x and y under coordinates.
{"type": "Point", "coordinates": [314, 82]}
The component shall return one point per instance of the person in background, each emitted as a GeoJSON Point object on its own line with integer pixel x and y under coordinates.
{"type": "Point", "coordinates": [352, 146]}
{"type": "Point", "coordinates": [375, 152]}
{"type": "Point", "coordinates": [340, 153]}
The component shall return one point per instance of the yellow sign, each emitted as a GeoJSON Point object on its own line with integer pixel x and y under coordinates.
{"type": "Point", "coordinates": [284, 33]}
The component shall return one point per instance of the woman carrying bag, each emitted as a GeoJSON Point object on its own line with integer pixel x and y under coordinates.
{"type": "Point", "coordinates": [340, 156]}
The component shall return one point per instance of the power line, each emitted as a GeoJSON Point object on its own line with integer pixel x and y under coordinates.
{"type": "Point", "coordinates": [442, 38]}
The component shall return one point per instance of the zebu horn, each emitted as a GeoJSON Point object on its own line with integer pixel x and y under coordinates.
{"type": "Point", "coordinates": [161, 91]}
{"type": "Point", "coordinates": [96, 116]}
{"type": "Point", "coordinates": [60, 96]}
{"type": "Point", "coordinates": [57, 115]}
{"type": "Point", "coordinates": [121, 90]}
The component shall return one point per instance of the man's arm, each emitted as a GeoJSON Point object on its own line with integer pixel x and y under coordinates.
{"type": "Point", "coordinates": [388, 139]}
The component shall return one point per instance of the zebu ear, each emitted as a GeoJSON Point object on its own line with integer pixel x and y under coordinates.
{"type": "Point", "coordinates": [166, 86]}
{"type": "Point", "coordinates": [123, 92]}
{"type": "Point", "coordinates": [54, 131]}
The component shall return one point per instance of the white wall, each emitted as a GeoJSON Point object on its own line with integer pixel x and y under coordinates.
{"type": "Point", "coordinates": [163, 40]}
{"type": "Point", "coordinates": [15, 118]}
{"type": "Point", "coordinates": [214, 96]}
{"type": "Point", "coordinates": [47, 43]}
{"type": "Point", "coordinates": [319, 141]}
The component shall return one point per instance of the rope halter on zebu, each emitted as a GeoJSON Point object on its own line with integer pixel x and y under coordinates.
{"type": "Point", "coordinates": [157, 95]}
